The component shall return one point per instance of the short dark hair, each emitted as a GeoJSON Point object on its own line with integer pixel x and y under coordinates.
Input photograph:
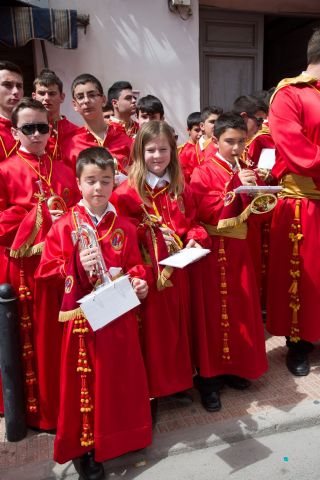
{"type": "Point", "coordinates": [10, 66]}
{"type": "Point", "coordinates": [193, 119]}
{"type": "Point", "coordinates": [115, 90]}
{"type": "Point", "coordinates": [26, 102]}
{"type": "Point", "coordinates": [313, 50]}
{"type": "Point", "coordinates": [108, 106]}
{"type": "Point", "coordinates": [86, 78]}
{"type": "Point", "coordinates": [210, 110]}
{"type": "Point", "coordinates": [150, 105]}
{"type": "Point", "coordinates": [249, 104]}
{"type": "Point", "coordinates": [46, 78]}
{"type": "Point", "coordinates": [99, 156]}
{"type": "Point", "coordinates": [228, 120]}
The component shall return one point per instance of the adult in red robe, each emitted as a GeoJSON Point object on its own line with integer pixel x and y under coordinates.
{"type": "Point", "coordinates": [121, 419]}
{"type": "Point", "coordinates": [24, 223]}
{"type": "Point", "coordinates": [294, 270]}
{"type": "Point", "coordinates": [165, 314]}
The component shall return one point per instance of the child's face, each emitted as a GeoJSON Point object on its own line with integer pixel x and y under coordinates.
{"type": "Point", "coordinates": [88, 101]}
{"type": "Point", "coordinates": [231, 143]}
{"type": "Point", "coordinates": [195, 133]}
{"type": "Point", "coordinates": [208, 126]}
{"type": "Point", "coordinates": [50, 97]}
{"type": "Point", "coordinates": [96, 185]}
{"type": "Point", "coordinates": [126, 103]}
{"type": "Point", "coordinates": [144, 117]}
{"type": "Point", "coordinates": [36, 142]}
{"type": "Point", "coordinates": [157, 155]}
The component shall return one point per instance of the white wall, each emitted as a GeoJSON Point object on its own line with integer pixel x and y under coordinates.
{"type": "Point", "coordinates": [136, 40]}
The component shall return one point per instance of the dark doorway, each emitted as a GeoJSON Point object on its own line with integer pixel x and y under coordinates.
{"type": "Point", "coordinates": [285, 47]}
{"type": "Point", "coordinates": [24, 57]}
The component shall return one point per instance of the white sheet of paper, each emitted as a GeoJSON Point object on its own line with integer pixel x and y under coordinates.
{"type": "Point", "coordinates": [109, 302]}
{"type": "Point", "coordinates": [267, 158]}
{"type": "Point", "coordinates": [184, 257]}
{"type": "Point", "coordinates": [256, 189]}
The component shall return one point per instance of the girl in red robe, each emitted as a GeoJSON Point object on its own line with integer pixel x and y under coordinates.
{"type": "Point", "coordinates": [155, 199]}
{"type": "Point", "coordinates": [116, 418]}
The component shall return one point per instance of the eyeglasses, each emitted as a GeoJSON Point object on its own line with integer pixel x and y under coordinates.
{"type": "Point", "coordinates": [31, 128]}
{"type": "Point", "coordinates": [259, 120]}
{"type": "Point", "coordinates": [90, 96]}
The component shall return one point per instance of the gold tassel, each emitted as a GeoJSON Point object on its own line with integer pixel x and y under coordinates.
{"type": "Point", "coordinates": [83, 368]}
{"type": "Point", "coordinates": [295, 236]}
{"type": "Point", "coordinates": [27, 346]}
{"type": "Point", "coordinates": [225, 325]}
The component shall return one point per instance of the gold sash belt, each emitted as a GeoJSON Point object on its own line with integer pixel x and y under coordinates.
{"type": "Point", "coordinates": [239, 231]}
{"type": "Point", "coordinates": [296, 186]}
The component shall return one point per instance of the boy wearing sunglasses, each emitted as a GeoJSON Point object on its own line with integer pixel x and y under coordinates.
{"type": "Point", "coordinates": [34, 191]}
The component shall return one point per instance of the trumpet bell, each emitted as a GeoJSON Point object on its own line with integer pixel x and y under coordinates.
{"type": "Point", "coordinates": [263, 203]}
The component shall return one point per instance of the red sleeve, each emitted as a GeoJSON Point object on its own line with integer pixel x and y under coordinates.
{"type": "Point", "coordinates": [208, 195]}
{"type": "Point", "coordinates": [133, 264]}
{"type": "Point", "coordinates": [57, 251]}
{"type": "Point", "coordinates": [295, 136]}
{"type": "Point", "coordinates": [196, 231]}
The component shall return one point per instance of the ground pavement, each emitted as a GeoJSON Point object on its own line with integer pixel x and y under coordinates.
{"type": "Point", "coordinates": [276, 402]}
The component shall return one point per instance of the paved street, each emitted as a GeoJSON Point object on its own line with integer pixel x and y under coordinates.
{"type": "Point", "coordinates": [234, 442]}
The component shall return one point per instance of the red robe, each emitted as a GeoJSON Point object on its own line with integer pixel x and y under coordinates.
{"type": "Point", "coordinates": [22, 235]}
{"type": "Point", "coordinates": [116, 141]}
{"type": "Point", "coordinates": [121, 410]}
{"type": "Point", "coordinates": [187, 154]}
{"type": "Point", "coordinates": [295, 129]}
{"type": "Point", "coordinates": [210, 151]}
{"type": "Point", "coordinates": [259, 234]}
{"type": "Point", "coordinates": [165, 315]}
{"type": "Point", "coordinates": [61, 134]}
{"type": "Point", "coordinates": [7, 143]}
{"type": "Point", "coordinates": [131, 132]}
{"type": "Point", "coordinates": [228, 288]}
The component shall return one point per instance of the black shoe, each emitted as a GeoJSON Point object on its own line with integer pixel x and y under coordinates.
{"type": "Point", "coordinates": [90, 469]}
{"type": "Point", "coordinates": [211, 402]}
{"type": "Point", "coordinates": [236, 382]}
{"type": "Point", "coordinates": [297, 362]}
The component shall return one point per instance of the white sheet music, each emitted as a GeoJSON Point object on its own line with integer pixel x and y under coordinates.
{"type": "Point", "coordinates": [184, 257]}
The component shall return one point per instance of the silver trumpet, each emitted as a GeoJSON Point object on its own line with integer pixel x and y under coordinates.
{"type": "Point", "coordinates": [87, 238]}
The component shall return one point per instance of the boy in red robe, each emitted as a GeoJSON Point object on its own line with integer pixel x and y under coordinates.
{"type": "Point", "coordinates": [48, 89]}
{"type": "Point", "coordinates": [294, 264]}
{"type": "Point", "coordinates": [121, 97]}
{"type": "Point", "coordinates": [228, 332]}
{"type": "Point", "coordinates": [206, 147]}
{"type": "Point", "coordinates": [88, 100]}
{"type": "Point", "coordinates": [11, 91]}
{"type": "Point", "coordinates": [117, 418]}
{"type": "Point", "coordinates": [187, 152]}
{"type": "Point", "coordinates": [149, 108]}
{"type": "Point", "coordinates": [34, 190]}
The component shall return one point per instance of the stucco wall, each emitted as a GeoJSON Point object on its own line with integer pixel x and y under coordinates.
{"type": "Point", "coordinates": [136, 40]}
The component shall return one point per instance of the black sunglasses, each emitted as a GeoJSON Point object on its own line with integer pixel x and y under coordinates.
{"type": "Point", "coordinates": [259, 120]}
{"type": "Point", "coordinates": [31, 128]}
